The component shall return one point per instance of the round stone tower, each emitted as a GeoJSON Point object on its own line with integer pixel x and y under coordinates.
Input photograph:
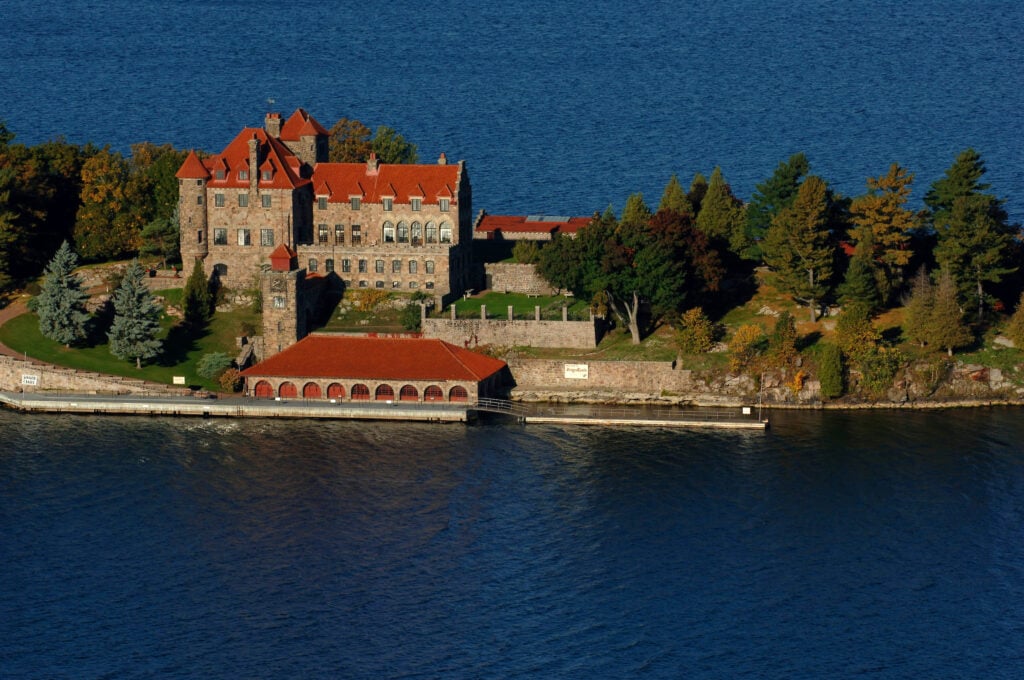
{"type": "Point", "coordinates": [195, 237]}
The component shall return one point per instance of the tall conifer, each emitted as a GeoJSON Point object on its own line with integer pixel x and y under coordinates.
{"type": "Point", "coordinates": [133, 335]}
{"type": "Point", "coordinates": [61, 304]}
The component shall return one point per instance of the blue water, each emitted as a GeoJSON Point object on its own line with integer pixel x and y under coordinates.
{"type": "Point", "coordinates": [836, 545]}
{"type": "Point", "coordinates": [558, 107]}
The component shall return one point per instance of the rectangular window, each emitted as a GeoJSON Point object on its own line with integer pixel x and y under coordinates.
{"type": "Point", "coordinates": [328, 265]}
{"type": "Point", "coordinates": [357, 235]}
{"type": "Point", "coordinates": [199, 200]}
{"type": "Point", "coordinates": [396, 266]}
{"type": "Point", "coordinates": [220, 237]}
{"type": "Point", "coordinates": [378, 266]}
{"type": "Point", "coordinates": [379, 284]}
{"type": "Point", "coordinates": [199, 182]}
{"type": "Point", "coordinates": [413, 284]}
{"type": "Point", "coordinates": [443, 204]}
{"type": "Point", "coordinates": [266, 237]}
{"type": "Point", "coordinates": [362, 284]}
{"type": "Point", "coordinates": [243, 237]}
{"type": "Point", "coordinates": [268, 175]}
{"type": "Point", "coordinates": [429, 266]}
{"type": "Point", "coordinates": [279, 302]}
{"type": "Point", "coordinates": [346, 266]}
{"type": "Point", "coordinates": [414, 204]}
{"type": "Point", "coordinates": [446, 232]}
{"type": "Point", "coordinates": [429, 285]}
{"type": "Point", "coordinates": [321, 233]}
{"type": "Point", "coordinates": [356, 202]}
{"type": "Point", "coordinates": [243, 174]}
{"type": "Point", "coordinates": [219, 174]}
{"type": "Point", "coordinates": [412, 266]}
{"type": "Point", "coordinates": [218, 200]}
{"type": "Point", "coordinates": [321, 203]}
{"type": "Point", "coordinates": [312, 264]}
{"type": "Point", "coordinates": [362, 266]}
{"type": "Point", "coordinates": [199, 236]}
{"type": "Point", "coordinates": [339, 234]}
{"type": "Point", "coordinates": [388, 203]}
{"type": "Point", "coordinates": [265, 199]}
{"type": "Point", "coordinates": [243, 200]}
{"type": "Point", "coordinates": [396, 284]}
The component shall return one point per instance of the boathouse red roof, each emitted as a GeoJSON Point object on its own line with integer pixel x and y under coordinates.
{"type": "Point", "coordinates": [530, 224]}
{"type": "Point", "coordinates": [369, 358]}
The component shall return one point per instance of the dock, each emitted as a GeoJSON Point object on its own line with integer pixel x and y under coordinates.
{"type": "Point", "coordinates": [437, 412]}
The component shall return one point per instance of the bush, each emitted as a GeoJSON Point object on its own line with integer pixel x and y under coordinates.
{"type": "Point", "coordinates": [231, 380]}
{"type": "Point", "coordinates": [879, 367]}
{"type": "Point", "coordinates": [211, 365]}
{"type": "Point", "coordinates": [696, 333]}
{"type": "Point", "coordinates": [411, 316]}
{"type": "Point", "coordinates": [526, 252]}
{"type": "Point", "coordinates": [746, 344]}
{"type": "Point", "coordinates": [369, 299]}
{"type": "Point", "coordinates": [831, 371]}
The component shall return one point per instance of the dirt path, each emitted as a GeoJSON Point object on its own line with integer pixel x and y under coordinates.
{"type": "Point", "coordinates": [16, 308]}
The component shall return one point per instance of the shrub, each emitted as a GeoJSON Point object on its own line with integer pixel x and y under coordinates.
{"type": "Point", "coordinates": [212, 365]}
{"type": "Point", "coordinates": [879, 367]}
{"type": "Point", "coordinates": [231, 380]}
{"type": "Point", "coordinates": [1015, 328]}
{"type": "Point", "coordinates": [696, 333]}
{"type": "Point", "coordinates": [746, 344]}
{"type": "Point", "coordinates": [411, 316]}
{"type": "Point", "coordinates": [368, 299]}
{"type": "Point", "coordinates": [831, 371]}
{"type": "Point", "coordinates": [782, 341]}
{"type": "Point", "coordinates": [526, 252]}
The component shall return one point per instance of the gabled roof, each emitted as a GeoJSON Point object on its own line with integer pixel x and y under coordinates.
{"type": "Point", "coordinates": [365, 358]}
{"type": "Point", "coordinates": [235, 157]}
{"type": "Point", "coordinates": [403, 182]}
{"type": "Point", "coordinates": [531, 224]}
{"type": "Point", "coordinates": [192, 168]}
{"type": "Point", "coordinates": [301, 124]}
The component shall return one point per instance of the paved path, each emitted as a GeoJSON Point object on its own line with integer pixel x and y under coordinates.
{"type": "Point", "coordinates": [16, 308]}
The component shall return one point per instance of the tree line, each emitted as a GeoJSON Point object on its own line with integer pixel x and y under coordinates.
{"type": "Point", "coordinates": [111, 206]}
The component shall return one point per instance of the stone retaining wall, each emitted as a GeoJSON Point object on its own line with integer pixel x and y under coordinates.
{"type": "Point", "coordinates": [56, 379]}
{"type": "Point", "coordinates": [509, 277]}
{"type": "Point", "coordinates": [470, 333]}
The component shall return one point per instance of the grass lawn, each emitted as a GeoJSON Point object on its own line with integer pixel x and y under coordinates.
{"type": "Point", "coordinates": [181, 352]}
{"type": "Point", "coordinates": [522, 306]}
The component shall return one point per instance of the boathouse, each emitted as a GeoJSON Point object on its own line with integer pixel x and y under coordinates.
{"type": "Point", "coordinates": [362, 368]}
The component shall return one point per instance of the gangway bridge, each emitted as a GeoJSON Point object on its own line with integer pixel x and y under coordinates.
{"type": "Point", "coordinates": [649, 416]}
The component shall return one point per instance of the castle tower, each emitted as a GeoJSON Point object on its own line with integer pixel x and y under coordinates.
{"type": "Point", "coordinates": [192, 210]}
{"type": "Point", "coordinates": [281, 284]}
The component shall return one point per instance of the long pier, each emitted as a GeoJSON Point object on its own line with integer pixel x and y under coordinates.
{"type": "Point", "coordinates": [243, 407]}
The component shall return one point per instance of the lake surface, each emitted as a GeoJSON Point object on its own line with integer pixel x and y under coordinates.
{"type": "Point", "coordinates": [879, 544]}
{"type": "Point", "coordinates": [557, 107]}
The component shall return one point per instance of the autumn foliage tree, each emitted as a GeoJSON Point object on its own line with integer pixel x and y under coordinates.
{"type": "Point", "coordinates": [108, 224]}
{"type": "Point", "coordinates": [882, 225]}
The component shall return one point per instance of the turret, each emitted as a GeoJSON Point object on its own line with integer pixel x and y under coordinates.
{"type": "Point", "coordinates": [194, 232]}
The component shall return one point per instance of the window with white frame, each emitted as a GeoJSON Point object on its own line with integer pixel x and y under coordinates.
{"type": "Point", "coordinates": [442, 203]}
{"type": "Point", "coordinates": [266, 237]}
{"type": "Point", "coordinates": [387, 203]}
{"type": "Point", "coordinates": [446, 232]}
{"type": "Point", "coordinates": [243, 200]}
{"type": "Point", "coordinates": [429, 266]}
{"type": "Point", "coordinates": [389, 232]}
{"type": "Point", "coordinates": [265, 200]}
{"type": "Point", "coordinates": [218, 200]}
{"type": "Point", "coordinates": [244, 237]}
{"type": "Point", "coordinates": [415, 203]}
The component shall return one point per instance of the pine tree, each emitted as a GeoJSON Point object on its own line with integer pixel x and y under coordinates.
{"type": "Point", "coordinates": [963, 178]}
{"type": "Point", "coordinates": [674, 198]}
{"type": "Point", "coordinates": [721, 214]}
{"type": "Point", "coordinates": [861, 282]}
{"type": "Point", "coordinates": [946, 327]}
{"type": "Point", "coordinates": [698, 187]}
{"type": "Point", "coordinates": [799, 245]}
{"type": "Point", "coordinates": [133, 335]}
{"type": "Point", "coordinates": [197, 301]}
{"type": "Point", "coordinates": [61, 303]}
{"type": "Point", "coordinates": [635, 213]}
{"type": "Point", "coordinates": [917, 313]}
{"type": "Point", "coordinates": [770, 197]}
{"type": "Point", "coordinates": [831, 372]}
{"type": "Point", "coordinates": [881, 218]}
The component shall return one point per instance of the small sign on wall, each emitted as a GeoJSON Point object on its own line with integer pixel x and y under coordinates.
{"type": "Point", "coordinates": [178, 379]}
{"type": "Point", "coordinates": [27, 379]}
{"type": "Point", "coordinates": [577, 371]}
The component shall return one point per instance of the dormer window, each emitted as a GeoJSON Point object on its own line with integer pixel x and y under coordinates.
{"type": "Point", "coordinates": [388, 204]}
{"type": "Point", "coordinates": [415, 203]}
{"type": "Point", "coordinates": [243, 174]}
{"type": "Point", "coordinates": [321, 203]}
{"type": "Point", "coordinates": [356, 202]}
{"type": "Point", "coordinates": [443, 204]}
{"type": "Point", "coordinates": [268, 175]}
{"type": "Point", "coordinates": [219, 174]}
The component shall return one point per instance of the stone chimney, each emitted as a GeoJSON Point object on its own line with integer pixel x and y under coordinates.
{"type": "Point", "coordinates": [372, 164]}
{"type": "Point", "coordinates": [442, 160]}
{"type": "Point", "coordinates": [272, 124]}
{"type": "Point", "coordinates": [254, 165]}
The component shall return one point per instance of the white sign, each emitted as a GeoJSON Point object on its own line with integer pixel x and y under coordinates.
{"type": "Point", "coordinates": [178, 379]}
{"type": "Point", "coordinates": [29, 379]}
{"type": "Point", "coordinates": [577, 371]}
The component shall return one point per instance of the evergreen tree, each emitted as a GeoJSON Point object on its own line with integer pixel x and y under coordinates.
{"type": "Point", "coordinates": [946, 326]}
{"type": "Point", "coordinates": [861, 282]}
{"type": "Point", "coordinates": [799, 245]}
{"type": "Point", "coordinates": [635, 213]}
{"type": "Point", "coordinates": [133, 335]}
{"type": "Point", "coordinates": [674, 198]}
{"type": "Point", "coordinates": [197, 300]}
{"type": "Point", "coordinates": [721, 214]}
{"type": "Point", "coordinates": [782, 339]}
{"type": "Point", "coordinates": [160, 238]}
{"type": "Point", "coordinates": [698, 187]}
{"type": "Point", "coordinates": [61, 303]}
{"type": "Point", "coordinates": [917, 314]}
{"type": "Point", "coordinates": [855, 334]}
{"type": "Point", "coordinates": [831, 372]}
{"type": "Point", "coordinates": [769, 198]}
{"type": "Point", "coordinates": [881, 218]}
{"type": "Point", "coordinates": [391, 147]}
{"type": "Point", "coordinates": [963, 178]}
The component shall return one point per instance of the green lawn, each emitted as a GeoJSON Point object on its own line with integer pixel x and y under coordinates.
{"type": "Point", "coordinates": [523, 306]}
{"type": "Point", "coordinates": [181, 352]}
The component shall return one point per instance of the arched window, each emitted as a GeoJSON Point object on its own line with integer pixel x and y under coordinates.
{"type": "Point", "coordinates": [384, 393]}
{"type": "Point", "coordinates": [446, 232]}
{"type": "Point", "coordinates": [458, 393]}
{"type": "Point", "coordinates": [403, 232]}
{"type": "Point", "coordinates": [335, 391]}
{"type": "Point", "coordinates": [389, 232]}
{"type": "Point", "coordinates": [408, 393]}
{"type": "Point", "coordinates": [433, 393]}
{"type": "Point", "coordinates": [311, 391]}
{"type": "Point", "coordinates": [263, 390]}
{"type": "Point", "coordinates": [312, 265]}
{"type": "Point", "coordinates": [360, 392]}
{"type": "Point", "coordinates": [220, 269]}
{"type": "Point", "coordinates": [431, 232]}
{"type": "Point", "coordinates": [417, 233]}
{"type": "Point", "coordinates": [287, 390]}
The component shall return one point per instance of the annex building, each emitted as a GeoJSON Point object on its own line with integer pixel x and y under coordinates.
{"type": "Point", "coordinates": [371, 225]}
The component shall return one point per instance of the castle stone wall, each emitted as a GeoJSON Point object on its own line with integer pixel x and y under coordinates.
{"type": "Point", "coordinates": [56, 379]}
{"type": "Point", "coordinates": [471, 333]}
{"type": "Point", "coordinates": [509, 277]}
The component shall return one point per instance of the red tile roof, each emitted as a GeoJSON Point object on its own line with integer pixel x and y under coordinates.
{"type": "Point", "coordinates": [272, 153]}
{"type": "Point", "coordinates": [282, 258]}
{"type": "Point", "coordinates": [341, 181]}
{"type": "Point", "coordinates": [365, 358]}
{"type": "Point", "coordinates": [192, 168]}
{"type": "Point", "coordinates": [301, 124]}
{"type": "Point", "coordinates": [532, 224]}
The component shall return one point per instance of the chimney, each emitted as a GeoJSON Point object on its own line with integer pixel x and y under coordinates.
{"type": "Point", "coordinates": [442, 160]}
{"type": "Point", "coordinates": [272, 124]}
{"type": "Point", "coordinates": [372, 164]}
{"type": "Point", "coordinates": [254, 164]}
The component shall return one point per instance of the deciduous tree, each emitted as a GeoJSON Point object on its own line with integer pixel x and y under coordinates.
{"type": "Point", "coordinates": [721, 214]}
{"type": "Point", "coordinates": [882, 222]}
{"type": "Point", "coordinates": [349, 142]}
{"type": "Point", "coordinates": [917, 314]}
{"type": "Point", "coordinates": [946, 327]}
{"type": "Point", "coordinates": [136, 328]}
{"type": "Point", "coordinates": [61, 303]}
{"type": "Point", "coordinates": [107, 225]}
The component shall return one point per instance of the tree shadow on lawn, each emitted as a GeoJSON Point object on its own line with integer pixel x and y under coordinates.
{"type": "Point", "coordinates": [180, 341]}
